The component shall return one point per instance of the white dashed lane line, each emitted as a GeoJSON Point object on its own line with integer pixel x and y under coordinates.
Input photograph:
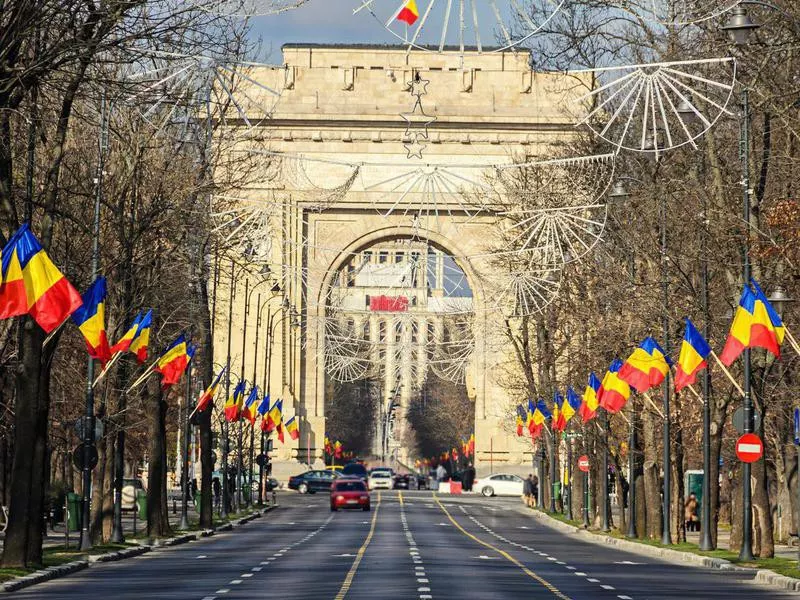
{"type": "Point", "coordinates": [540, 553]}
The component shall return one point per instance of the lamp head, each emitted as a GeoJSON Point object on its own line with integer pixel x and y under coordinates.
{"type": "Point", "coordinates": [739, 25]}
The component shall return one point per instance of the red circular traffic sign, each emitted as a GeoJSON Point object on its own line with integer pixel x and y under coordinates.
{"type": "Point", "coordinates": [749, 448]}
{"type": "Point", "coordinates": [583, 463]}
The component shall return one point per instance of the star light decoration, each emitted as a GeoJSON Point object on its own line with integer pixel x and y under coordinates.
{"type": "Point", "coordinates": [417, 121]}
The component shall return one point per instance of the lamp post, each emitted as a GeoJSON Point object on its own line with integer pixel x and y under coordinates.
{"type": "Point", "coordinates": [187, 430]}
{"type": "Point", "coordinates": [225, 425]}
{"type": "Point", "coordinates": [604, 474]}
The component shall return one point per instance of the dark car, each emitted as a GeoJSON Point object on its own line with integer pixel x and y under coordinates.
{"type": "Point", "coordinates": [312, 481]}
{"type": "Point", "coordinates": [349, 492]}
{"type": "Point", "coordinates": [355, 469]}
{"type": "Point", "coordinates": [422, 482]}
{"type": "Point", "coordinates": [402, 481]}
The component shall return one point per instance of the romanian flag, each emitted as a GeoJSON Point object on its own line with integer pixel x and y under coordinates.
{"type": "Point", "coordinates": [767, 330]}
{"type": "Point", "coordinates": [173, 362]}
{"type": "Point", "coordinates": [529, 416]}
{"type": "Point", "coordinates": [520, 425]}
{"type": "Point", "coordinates": [274, 417]}
{"type": "Point", "coordinates": [249, 411]}
{"type": "Point", "coordinates": [739, 335]}
{"type": "Point", "coordinates": [571, 405]}
{"type": "Point", "coordinates": [32, 284]}
{"type": "Point", "coordinates": [559, 422]}
{"type": "Point", "coordinates": [614, 391]}
{"type": "Point", "coordinates": [208, 396]}
{"type": "Point", "coordinates": [90, 319]}
{"type": "Point", "coordinates": [279, 429]}
{"type": "Point", "coordinates": [234, 404]}
{"type": "Point", "coordinates": [646, 367]}
{"type": "Point", "coordinates": [328, 447]}
{"type": "Point", "coordinates": [471, 445]}
{"type": "Point", "coordinates": [141, 340]}
{"type": "Point", "coordinates": [337, 449]}
{"type": "Point", "coordinates": [541, 413]}
{"type": "Point", "coordinates": [408, 12]}
{"type": "Point", "coordinates": [692, 359]}
{"type": "Point", "coordinates": [263, 406]}
{"type": "Point", "coordinates": [590, 400]}
{"type": "Point", "coordinates": [124, 342]}
{"type": "Point", "coordinates": [292, 428]}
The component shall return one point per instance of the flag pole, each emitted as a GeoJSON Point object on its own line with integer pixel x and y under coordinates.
{"type": "Point", "coordinates": [792, 340]}
{"type": "Point", "coordinates": [647, 397]}
{"type": "Point", "coordinates": [695, 392]}
{"type": "Point", "coordinates": [142, 377]}
{"type": "Point", "coordinates": [727, 373]}
{"type": "Point", "coordinates": [105, 370]}
{"type": "Point", "coordinates": [54, 333]}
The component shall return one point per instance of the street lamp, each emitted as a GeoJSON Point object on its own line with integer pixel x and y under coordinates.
{"type": "Point", "coordinates": [618, 192]}
{"type": "Point", "coordinates": [739, 25]}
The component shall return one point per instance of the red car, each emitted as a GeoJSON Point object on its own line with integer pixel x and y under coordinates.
{"type": "Point", "coordinates": [349, 493]}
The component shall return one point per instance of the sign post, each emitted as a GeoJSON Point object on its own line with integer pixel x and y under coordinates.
{"type": "Point", "coordinates": [583, 463]}
{"type": "Point", "coordinates": [797, 445]}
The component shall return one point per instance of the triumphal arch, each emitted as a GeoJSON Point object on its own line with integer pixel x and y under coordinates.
{"type": "Point", "coordinates": [376, 201]}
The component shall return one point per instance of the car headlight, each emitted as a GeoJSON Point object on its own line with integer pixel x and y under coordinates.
{"type": "Point", "coordinates": [340, 497]}
{"type": "Point", "coordinates": [365, 497]}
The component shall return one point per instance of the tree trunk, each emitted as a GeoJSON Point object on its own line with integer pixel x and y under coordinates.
{"type": "Point", "coordinates": [204, 418]}
{"type": "Point", "coordinates": [792, 477]}
{"type": "Point", "coordinates": [157, 516]}
{"type": "Point", "coordinates": [98, 485]}
{"type": "Point", "coordinates": [107, 515]}
{"type": "Point", "coordinates": [678, 491]}
{"type": "Point", "coordinates": [641, 506]}
{"type": "Point", "coordinates": [764, 546]}
{"type": "Point", "coordinates": [718, 416]}
{"type": "Point", "coordinates": [652, 481]}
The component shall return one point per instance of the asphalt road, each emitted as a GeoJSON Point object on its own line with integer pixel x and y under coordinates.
{"type": "Point", "coordinates": [410, 546]}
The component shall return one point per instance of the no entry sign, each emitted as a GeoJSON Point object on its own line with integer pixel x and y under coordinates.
{"type": "Point", "coordinates": [749, 448]}
{"type": "Point", "coordinates": [583, 463]}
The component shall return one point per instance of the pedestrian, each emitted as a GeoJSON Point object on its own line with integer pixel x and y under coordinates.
{"type": "Point", "coordinates": [690, 513]}
{"type": "Point", "coordinates": [535, 491]}
{"type": "Point", "coordinates": [441, 473]}
{"type": "Point", "coordinates": [216, 488]}
{"type": "Point", "coordinates": [469, 477]}
{"type": "Point", "coordinates": [527, 490]}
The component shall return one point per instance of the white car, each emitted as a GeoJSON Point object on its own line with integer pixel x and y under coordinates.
{"type": "Point", "coordinates": [380, 480]}
{"type": "Point", "coordinates": [500, 484]}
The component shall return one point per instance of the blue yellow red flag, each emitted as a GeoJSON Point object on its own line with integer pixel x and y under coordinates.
{"type": "Point", "coordinates": [692, 358]}
{"type": "Point", "coordinates": [571, 405]}
{"type": "Point", "coordinates": [141, 340]}
{"type": "Point", "coordinates": [249, 410]}
{"type": "Point", "coordinates": [292, 428]}
{"type": "Point", "coordinates": [174, 360]}
{"type": "Point", "coordinates": [207, 397]}
{"type": "Point", "coordinates": [263, 407]}
{"type": "Point", "coordinates": [124, 343]}
{"type": "Point", "coordinates": [614, 391]}
{"type": "Point", "coordinates": [91, 320]}
{"type": "Point", "coordinates": [233, 405]}
{"type": "Point", "coordinates": [646, 367]}
{"type": "Point", "coordinates": [739, 334]}
{"type": "Point", "coordinates": [559, 421]}
{"type": "Point", "coordinates": [767, 330]}
{"type": "Point", "coordinates": [408, 12]}
{"type": "Point", "coordinates": [30, 276]}
{"type": "Point", "coordinates": [590, 403]}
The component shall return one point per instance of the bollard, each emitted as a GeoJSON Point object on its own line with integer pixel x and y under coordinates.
{"type": "Point", "coordinates": [274, 498]}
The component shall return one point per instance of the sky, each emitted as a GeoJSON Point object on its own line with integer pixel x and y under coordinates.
{"type": "Point", "coordinates": [319, 21]}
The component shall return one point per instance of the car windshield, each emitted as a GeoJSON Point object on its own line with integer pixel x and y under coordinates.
{"type": "Point", "coordinates": [379, 474]}
{"type": "Point", "coordinates": [350, 486]}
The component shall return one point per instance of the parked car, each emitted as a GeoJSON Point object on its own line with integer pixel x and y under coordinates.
{"type": "Point", "coordinates": [500, 484]}
{"type": "Point", "coordinates": [402, 481]}
{"type": "Point", "coordinates": [130, 493]}
{"type": "Point", "coordinates": [312, 481]}
{"type": "Point", "coordinates": [355, 469]}
{"type": "Point", "coordinates": [380, 480]}
{"type": "Point", "coordinates": [422, 482]}
{"type": "Point", "coordinates": [349, 492]}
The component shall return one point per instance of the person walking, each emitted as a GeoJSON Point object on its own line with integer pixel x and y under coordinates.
{"type": "Point", "coordinates": [216, 489]}
{"type": "Point", "coordinates": [534, 491]}
{"type": "Point", "coordinates": [527, 490]}
{"type": "Point", "coordinates": [469, 478]}
{"type": "Point", "coordinates": [690, 513]}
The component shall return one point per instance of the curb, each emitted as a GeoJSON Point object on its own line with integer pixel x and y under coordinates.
{"type": "Point", "coordinates": [762, 576]}
{"type": "Point", "coordinates": [45, 575]}
{"type": "Point", "coordinates": [51, 573]}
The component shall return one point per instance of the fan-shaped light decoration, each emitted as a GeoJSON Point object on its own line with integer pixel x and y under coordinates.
{"type": "Point", "coordinates": [346, 355]}
{"type": "Point", "coordinates": [428, 193]}
{"type": "Point", "coordinates": [660, 106]}
{"type": "Point", "coordinates": [525, 291]}
{"type": "Point", "coordinates": [174, 87]}
{"type": "Point", "coordinates": [556, 208]}
{"type": "Point", "coordinates": [675, 12]}
{"type": "Point", "coordinates": [437, 25]}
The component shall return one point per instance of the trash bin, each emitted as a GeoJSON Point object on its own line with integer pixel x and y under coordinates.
{"type": "Point", "coordinates": [141, 504]}
{"type": "Point", "coordinates": [74, 508]}
{"type": "Point", "coordinates": [557, 490]}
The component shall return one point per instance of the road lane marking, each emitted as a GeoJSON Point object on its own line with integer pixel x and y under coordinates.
{"type": "Point", "coordinates": [607, 587]}
{"type": "Point", "coordinates": [555, 591]}
{"type": "Point", "coordinates": [348, 581]}
{"type": "Point", "coordinates": [400, 497]}
{"type": "Point", "coordinates": [592, 580]}
{"type": "Point", "coordinates": [222, 591]}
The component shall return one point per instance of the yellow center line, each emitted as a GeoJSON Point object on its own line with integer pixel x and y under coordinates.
{"type": "Point", "coordinates": [555, 591]}
{"type": "Point", "coordinates": [348, 581]}
{"type": "Point", "coordinates": [400, 496]}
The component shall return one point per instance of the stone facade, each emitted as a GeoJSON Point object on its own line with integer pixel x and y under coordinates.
{"type": "Point", "coordinates": [340, 109]}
